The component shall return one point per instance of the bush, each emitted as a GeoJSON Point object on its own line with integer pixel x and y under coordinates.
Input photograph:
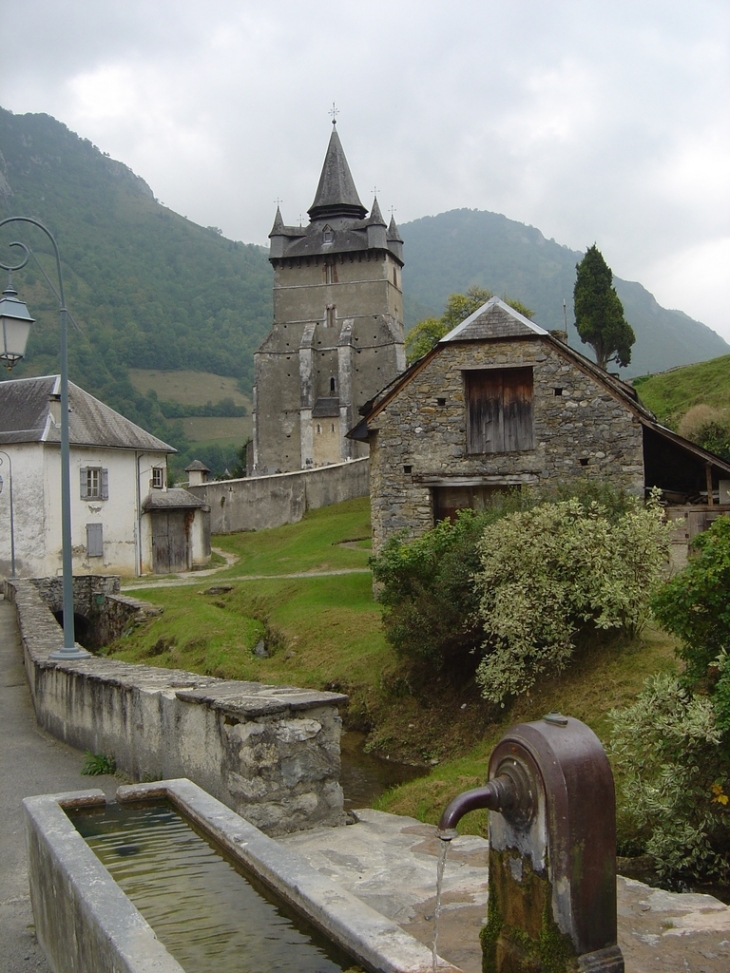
{"type": "Point", "coordinates": [695, 604]}
{"type": "Point", "coordinates": [708, 427]}
{"type": "Point", "coordinates": [672, 748]}
{"type": "Point", "coordinates": [428, 594]}
{"type": "Point", "coordinates": [673, 781]}
{"type": "Point", "coordinates": [556, 571]}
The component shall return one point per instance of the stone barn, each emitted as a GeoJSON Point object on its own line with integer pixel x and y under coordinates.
{"type": "Point", "coordinates": [499, 403]}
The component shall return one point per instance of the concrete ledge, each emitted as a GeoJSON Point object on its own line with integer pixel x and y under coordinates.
{"type": "Point", "coordinates": [83, 920]}
{"type": "Point", "coordinates": [272, 753]}
{"type": "Point", "coordinates": [61, 863]}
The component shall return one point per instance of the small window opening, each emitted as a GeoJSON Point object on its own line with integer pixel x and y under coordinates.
{"type": "Point", "coordinates": [440, 401]}
{"type": "Point", "coordinates": [584, 461]}
{"type": "Point", "coordinates": [333, 384]}
{"type": "Point", "coordinates": [158, 477]}
{"type": "Point", "coordinates": [407, 469]}
{"type": "Point", "coordinates": [558, 391]}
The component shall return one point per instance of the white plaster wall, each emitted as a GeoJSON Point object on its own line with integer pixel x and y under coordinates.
{"type": "Point", "coordinates": [37, 508]}
{"type": "Point", "coordinates": [29, 508]}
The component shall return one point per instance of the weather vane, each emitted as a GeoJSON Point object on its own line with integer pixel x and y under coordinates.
{"type": "Point", "coordinates": [375, 190]}
{"type": "Point", "coordinates": [278, 201]}
{"type": "Point", "coordinates": [334, 112]}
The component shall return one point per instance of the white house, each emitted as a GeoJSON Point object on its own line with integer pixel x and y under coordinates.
{"type": "Point", "coordinates": [124, 519]}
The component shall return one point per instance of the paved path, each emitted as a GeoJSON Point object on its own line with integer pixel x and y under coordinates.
{"type": "Point", "coordinates": [31, 762]}
{"type": "Point", "coordinates": [389, 861]}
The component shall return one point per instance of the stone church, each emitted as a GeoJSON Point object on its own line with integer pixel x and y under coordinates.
{"type": "Point", "coordinates": [337, 336]}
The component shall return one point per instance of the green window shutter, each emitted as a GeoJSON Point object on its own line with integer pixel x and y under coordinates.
{"type": "Point", "coordinates": [105, 484]}
{"type": "Point", "coordinates": [83, 483]}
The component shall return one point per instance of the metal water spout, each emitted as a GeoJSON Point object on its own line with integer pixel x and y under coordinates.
{"type": "Point", "coordinates": [552, 850]}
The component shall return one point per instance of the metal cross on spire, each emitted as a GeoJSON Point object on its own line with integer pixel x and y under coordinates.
{"type": "Point", "coordinates": [334, 112]}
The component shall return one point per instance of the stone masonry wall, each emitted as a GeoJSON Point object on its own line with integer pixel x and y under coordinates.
{"type": "Point", "coordinates": [271, 753]}
{"type": "Point", "coordinates": [259, 502]}
{"type": "Point", "coordinates": [418, 440]}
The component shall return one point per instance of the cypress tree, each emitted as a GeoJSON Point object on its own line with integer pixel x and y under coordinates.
{"type": "Point", "coordinates": [599, 313]}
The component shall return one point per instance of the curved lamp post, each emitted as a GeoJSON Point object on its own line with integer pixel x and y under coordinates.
{"type": "Point", "coordinates": [15, 325]}
{"type": "Point", "coordinates": [12, 521]}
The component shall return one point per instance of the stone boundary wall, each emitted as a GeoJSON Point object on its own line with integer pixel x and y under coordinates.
{"type": "Point", "coordinates": [271, 753]}
{"type": "Point", "coordinates": [259, 502]}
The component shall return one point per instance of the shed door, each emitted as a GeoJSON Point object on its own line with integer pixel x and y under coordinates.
{"type": "Point", "coordinates": [170, 541]}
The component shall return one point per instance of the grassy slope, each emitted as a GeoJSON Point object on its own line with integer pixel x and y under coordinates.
{"type": "Point", "coordinates": [199, 388]}
{"type": "Point", "coordinates": [670, 394]}
{"type": "Point", "coordinates": [326, 634]}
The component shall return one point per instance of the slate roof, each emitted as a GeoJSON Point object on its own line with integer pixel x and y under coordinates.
{"type": "Point", "coordinates": [497, 321]}
{"type": "Point", "coordinates": [172, 499]}
{"type": "Point", "coordinates": [197, 465]}
{"type": "Point", "coordinates": [336, 208]}
{"type": "Point", "coordinates": [326, 406]}
{"type": "Point", "coordinates": [336, 194]}
{"type": "Point", "coordinates": [26, 417]}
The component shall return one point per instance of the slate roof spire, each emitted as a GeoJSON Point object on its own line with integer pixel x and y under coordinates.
{"type": "Point", "coordinates": [336, 195]}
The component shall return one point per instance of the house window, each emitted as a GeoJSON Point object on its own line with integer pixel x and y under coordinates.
{"type": "Point", "coordinates": [158, 477]}
{"type": "Point", "coordinates": [94, 483]}
{"type": "Point", "coordinates": [498, 410]}
{"type": "Point", "coordinates": [94, 540]}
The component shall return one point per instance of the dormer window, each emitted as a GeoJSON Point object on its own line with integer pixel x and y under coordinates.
{"type": "Point", "coordinates": [328, 236]}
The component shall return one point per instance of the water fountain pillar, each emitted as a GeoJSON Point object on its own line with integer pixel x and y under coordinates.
{"type": "Point", "coordinates": [552, 851]}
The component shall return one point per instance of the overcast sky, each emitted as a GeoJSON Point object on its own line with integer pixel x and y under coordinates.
{"type": "Point", "coordinates": [603, 121]}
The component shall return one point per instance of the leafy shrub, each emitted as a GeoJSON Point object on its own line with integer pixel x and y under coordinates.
{"type": "Point", "coordinates": [427, 592]}
{"type": "Point", "coordinates": [673, 777]}
{"type": "Point", "coordinates": [427, 584]}
{"type": "Point", "coordinates": [672, 748]}
{"type": "Point", "coordinates": [549, 573]}
{"type": "Point", "coordinates": [708, 427]}
{"type": "Point", "coordinates": [695, 604]}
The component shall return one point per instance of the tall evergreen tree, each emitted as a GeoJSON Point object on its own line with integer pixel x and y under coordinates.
{"type": "Point", "coordinates": [599, 313]}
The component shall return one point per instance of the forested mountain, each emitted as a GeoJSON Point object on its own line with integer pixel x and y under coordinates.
{"type": "Point", "coordinates": [454, 250]}
{"type": "Point", "coordinates": [150, 289]}
{"type": "Point", "coordinates": [147, 287]}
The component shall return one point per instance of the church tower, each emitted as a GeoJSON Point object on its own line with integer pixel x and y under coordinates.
{"type": "Point", "coordinates": [337, 336]}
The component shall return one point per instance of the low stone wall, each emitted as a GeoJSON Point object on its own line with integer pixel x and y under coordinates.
{"type": "Point", "coordinates": [271, 753]}
{"type": "Point", "coordinates": [104, 614]}
{"type": "Point", "coordinates": [259, 502]}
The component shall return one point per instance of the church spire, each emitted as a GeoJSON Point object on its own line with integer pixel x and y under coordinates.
{"type": "Point", "coordinates": [336, 195]}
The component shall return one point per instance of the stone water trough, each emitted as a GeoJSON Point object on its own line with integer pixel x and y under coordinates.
{"type": "Point", "coordinates": [85, 922]}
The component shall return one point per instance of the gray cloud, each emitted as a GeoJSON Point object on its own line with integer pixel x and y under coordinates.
{"type": "Point", "coordinates": [594, 121]}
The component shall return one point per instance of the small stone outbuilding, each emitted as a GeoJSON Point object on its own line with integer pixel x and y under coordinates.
{"type": "Point", "coordinates": [499, 403]}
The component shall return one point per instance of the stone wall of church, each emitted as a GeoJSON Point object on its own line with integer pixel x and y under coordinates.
{"type": "Point", "coordinates": [418, 441]}
{"type": "Point", "coordinates": [337, 334]}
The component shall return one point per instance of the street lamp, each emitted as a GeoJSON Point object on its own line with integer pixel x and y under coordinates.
{"type": "Point", "coordinates": [12, 522]}
{"type": "Point", "coordinates": [11, 322]}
